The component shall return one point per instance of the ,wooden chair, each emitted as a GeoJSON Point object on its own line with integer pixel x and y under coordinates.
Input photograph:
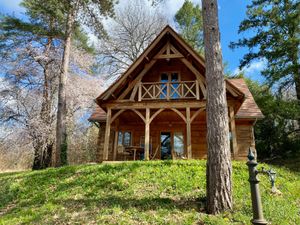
{"type": "Point", "coordinates": [121, 151]}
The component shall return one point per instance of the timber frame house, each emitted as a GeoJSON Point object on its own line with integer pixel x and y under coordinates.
{"type": "Point", "coordinates": [159, 105]}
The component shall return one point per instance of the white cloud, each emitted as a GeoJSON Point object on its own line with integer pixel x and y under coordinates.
{"type": "Point", "coordinates": [253, 69]}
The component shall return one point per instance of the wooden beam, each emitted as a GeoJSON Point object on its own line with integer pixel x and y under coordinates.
{"type": "Point", "coordinates": [155, 114]}
{"type": "Point", "coordinates": [147, 134]}
{"type": "Point", "coordinates": [196, 114]}
{"type": "Point", "coordinates": [107, 135]}
{"type": "Point", "coordinates": [133, 93]}
{"type": "Point", "coordinates": [203, 89]}
{"type": "Point", "coordinates": [139, 114]}
{"type": "Point", "coordinates": [168, 47]}
{"type": "Point", "coordinates": [147, 67]}
{"type": "Point", "coordinates": [193, 69]}
{"type": "Point", "coordinates": [197, 90]}
{"type": "Point", "coordinates": [179, 113]}
{"type": "Point", "coordinates": [169, 56]}
{"type": "Point", "coordinates": [199, 76]}
{"type": "Point", "coordinates": [233, 132]}
{"type": "Point", "coordinates": [116, 115]}
{"type": "Point", "coordinates": [188, 133]}
{"type": "Point", "coordinates": [155, 105]}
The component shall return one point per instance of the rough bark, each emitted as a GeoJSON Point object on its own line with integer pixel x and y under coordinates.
{"type": "Point", "coordinates": [219, 169]}
{"type": "Point", "coordinates": [61, 131]}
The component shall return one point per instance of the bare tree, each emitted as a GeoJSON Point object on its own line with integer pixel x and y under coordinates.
{"type": "Point", "coordinates": [133, 28]}
{"type": "Point", "coordinates": [219, 169]}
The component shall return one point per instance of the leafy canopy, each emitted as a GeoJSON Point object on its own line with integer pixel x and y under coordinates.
{"type": "Point", "coordinates": [189, 21]}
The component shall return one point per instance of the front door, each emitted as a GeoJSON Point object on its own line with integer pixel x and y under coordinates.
{"type": "Point", "coordinates": [165, 145]}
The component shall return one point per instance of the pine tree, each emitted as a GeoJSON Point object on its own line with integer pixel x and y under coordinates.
{"type": "Point", "coordinates": [218, 169]}
{"type": "Point", "coordinates": [276, 39]}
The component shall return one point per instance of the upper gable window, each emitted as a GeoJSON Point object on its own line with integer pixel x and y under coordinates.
{"type": "Point", "coordinates": [172, 78]}
{"type": "Point", "coordinates": [169, 77]}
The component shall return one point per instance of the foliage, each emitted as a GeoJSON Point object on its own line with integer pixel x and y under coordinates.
{"type": "Point", "coordinates": [158, 192]}
{"type": "Point", "coordinates": [189, 21]}
{"type": "Point", "coordinates": [275, 37]}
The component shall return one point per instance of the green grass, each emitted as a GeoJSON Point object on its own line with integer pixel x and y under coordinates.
{"type": "Point", "coordinates": [160, 192]}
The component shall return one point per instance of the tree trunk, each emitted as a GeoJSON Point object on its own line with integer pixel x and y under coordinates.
{"type": "Point", "coordinates": [42, 157]}
{"type": "Point", "coordinates": [61, 130]}
{"type": "Point", "coordinates": [218, 171]}
{"type": "Point", "coordinates": [43, 147]}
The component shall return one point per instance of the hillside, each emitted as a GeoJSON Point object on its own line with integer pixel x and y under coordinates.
{"type": "Point", "coordinates": [160, 192]}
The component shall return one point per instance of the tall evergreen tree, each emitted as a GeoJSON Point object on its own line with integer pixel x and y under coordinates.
{"type": "Point", "coordinates": [275, 38]}
{"type": "Point", "coordinates": [189, 21]}
{"type": "Point", "coordinates": [218, 169]}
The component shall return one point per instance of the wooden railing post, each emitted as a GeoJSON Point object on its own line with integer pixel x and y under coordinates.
{"type": "Point", "coordinates": [168, 90]}
{"type": "Point", "coordinates": [107, 135]}
{"type": "Point", "coordinates": [197, 90]}
{"type": "Point", "coordinates": [140, 92]}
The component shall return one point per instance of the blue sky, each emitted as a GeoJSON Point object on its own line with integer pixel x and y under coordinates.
{"type": "Point", "coordinates": [231, 13]}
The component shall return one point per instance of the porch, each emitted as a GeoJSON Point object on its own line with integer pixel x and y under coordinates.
{"type": "Point", "coordinates": [177, 130]}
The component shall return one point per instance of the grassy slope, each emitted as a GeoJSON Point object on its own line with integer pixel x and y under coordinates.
{"type": "Point", "coordinates": [161, 192]}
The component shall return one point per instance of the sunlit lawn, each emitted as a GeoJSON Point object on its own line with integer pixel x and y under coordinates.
{"type": "Point", "coordinates": [160, 192]}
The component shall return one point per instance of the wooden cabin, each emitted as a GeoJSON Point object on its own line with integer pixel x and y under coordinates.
{"type": "Point", "coordinates": [156, 109]}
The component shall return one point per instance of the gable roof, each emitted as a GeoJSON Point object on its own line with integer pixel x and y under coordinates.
{"type": "Point", "coordinates": [145, 57]}
{"type": "Point", "coordinates": [165, 35]}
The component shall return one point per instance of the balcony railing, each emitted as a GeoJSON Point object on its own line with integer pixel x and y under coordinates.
{"type": "Point", "coordinates": [169, 90]}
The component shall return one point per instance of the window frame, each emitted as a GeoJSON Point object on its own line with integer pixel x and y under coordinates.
{"type": "Point", "coordinates": [169, 73]}
{"type": "Point", "coordinates": [122, 143]}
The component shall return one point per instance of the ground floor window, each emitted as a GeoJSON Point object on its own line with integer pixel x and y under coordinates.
{"type": "Point", "coordinates": [171, 145]}
{"type": "Point", "coordinates": [124, 138]}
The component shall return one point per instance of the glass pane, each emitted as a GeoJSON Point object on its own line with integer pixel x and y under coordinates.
{"type": "Point", "coordinates": [174, 77]}
{"type": "Point", "coordinates": [179, 144]}
{"type": "Point", "coordinates": [164, 77]}
{"type": "Point", "coordinates": [120, 138]}
{"type": "Point", "coordinates": [165, 144]}
{"type": "Point", "coordinates": [127, 139]}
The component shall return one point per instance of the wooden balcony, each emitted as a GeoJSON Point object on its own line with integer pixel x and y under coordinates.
{"type": "Point", "coordinates": [168, 90]}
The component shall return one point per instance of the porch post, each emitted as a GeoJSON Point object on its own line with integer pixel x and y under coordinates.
{"type": "Point", "coordinates": [233, 132]}
{"type": "Point", "coordinates": [147, 133]}
{"type": "Point", "coordinates": [188, 133]}
{"type": "Point", "coordinates": [107, 135]}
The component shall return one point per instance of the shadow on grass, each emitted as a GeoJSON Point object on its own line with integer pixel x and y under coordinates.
{"type": "Point", "coordinates": [140, 204]}
{"type": "Point", "coordinates": [292, 162]}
